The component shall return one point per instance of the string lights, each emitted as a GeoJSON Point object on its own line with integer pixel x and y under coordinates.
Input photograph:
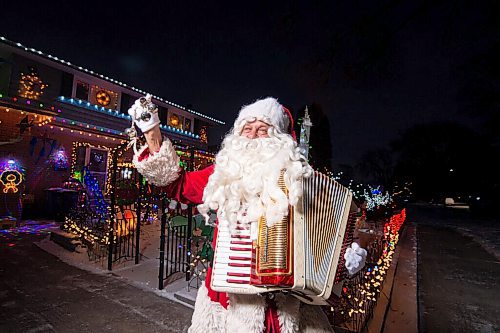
{"type": "Point", "coordinates": [84, 232]}
{"type": "Point", "coordinates": [69, 64]}
{"type": "Point", "coordinates": [361, 292]}
{"type": "Point", "coordinates": [356, 189]}
{"type": "Point", "coordinates": [88, 126]}
{"type": "Point", "coordinates": [43, 120]}
{"type": "Point", "coordinates": [93, 188]}
{"type": "Point", "coordinates": [118, 114]}
{"type": "Point", "coordinates": [375, 198]}
{"type": "Point", "coordinates": [39, 120]}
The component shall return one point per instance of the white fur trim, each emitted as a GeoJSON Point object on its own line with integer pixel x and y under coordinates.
{"type": "Point", "coordinates": [160, 168]}
{"type": "Point", "coordinates": [295, 317]}
{"type": "Point", "coordinates": [313, 320]}
{"type": "Point", "coordinates": [246, 314]}
{"type": "Point", "coordinates": [208, 316]}
{"type": "Point", "coordinates": [288, 313]}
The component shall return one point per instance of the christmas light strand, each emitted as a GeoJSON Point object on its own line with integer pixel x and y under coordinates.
{"type": "Point", "coordinates": [69, 64]}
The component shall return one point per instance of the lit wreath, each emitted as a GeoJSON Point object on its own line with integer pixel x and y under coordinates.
{"type": "Point", "coordinates": [103, 98]}
{"type": "Point", "coordinates": [174, 120]}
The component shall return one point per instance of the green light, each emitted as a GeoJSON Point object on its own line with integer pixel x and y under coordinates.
{"type": "Point", "coordinates": [77, 175]}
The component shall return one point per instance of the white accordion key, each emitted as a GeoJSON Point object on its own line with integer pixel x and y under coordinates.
{"type": "Point", "coordinates": [232, 262]}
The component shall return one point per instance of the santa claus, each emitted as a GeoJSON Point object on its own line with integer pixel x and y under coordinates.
{"type": "Point", "coordinates": [241, 187]}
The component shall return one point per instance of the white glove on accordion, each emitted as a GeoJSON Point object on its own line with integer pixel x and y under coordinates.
{"type": "Point", "coordinates": [355, 258]}
{"type": "Point", "coordinates": [144, 113]}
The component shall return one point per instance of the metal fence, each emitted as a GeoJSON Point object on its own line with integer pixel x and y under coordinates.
{"type": "Point", "coordinates": [185, 247]}
{"type": "Point", "coordinates": [360, 292]}
{"type": "Point", "coordinates": [111, 229]}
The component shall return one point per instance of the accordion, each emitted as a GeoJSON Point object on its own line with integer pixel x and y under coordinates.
{"type": "Point", "coordinates": [303, 254]}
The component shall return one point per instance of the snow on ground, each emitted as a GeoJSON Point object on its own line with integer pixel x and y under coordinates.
{"type": "Point", "coordinates": [143, 275]}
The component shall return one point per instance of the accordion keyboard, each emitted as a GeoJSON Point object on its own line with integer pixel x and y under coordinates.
{"type": "Point", "coordinates": [232, 266]}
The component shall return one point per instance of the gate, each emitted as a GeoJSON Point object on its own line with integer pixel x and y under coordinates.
{"type": "Point", "coordinates": [175, 242]}
{"type": "Point", "coordinates": [185, 246]}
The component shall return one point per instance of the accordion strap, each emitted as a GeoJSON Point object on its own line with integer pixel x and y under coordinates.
{"type": "Point", "coordinates": [271, 316]}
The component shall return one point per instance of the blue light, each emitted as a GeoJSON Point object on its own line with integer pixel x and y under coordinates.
{"type": "Point", "coordinates": [116, 113]}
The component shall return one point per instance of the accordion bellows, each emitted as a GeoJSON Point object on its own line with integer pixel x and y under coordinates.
{"type": "Point", "coordinates": [302, 254]}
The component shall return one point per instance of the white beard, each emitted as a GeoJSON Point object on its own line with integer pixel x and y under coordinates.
{"type": "Point", "coordinates": [244, 185]}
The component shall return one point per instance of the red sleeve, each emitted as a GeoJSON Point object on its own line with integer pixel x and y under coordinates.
{"type": "Point", "coordinates": [188, 188]}
{"type": "Point", "coordinates": [144, 155]}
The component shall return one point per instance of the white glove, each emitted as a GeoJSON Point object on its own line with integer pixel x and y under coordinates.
{"type": "Point", "coordinates": [172, 204]}
{"type": "Point", "coordinates": [355, 258]}
{"type": "Point", "coordinates": [144, 113]}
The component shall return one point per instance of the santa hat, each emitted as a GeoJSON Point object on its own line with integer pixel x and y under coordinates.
{"type": "Point", "coordinates": [268, 110]}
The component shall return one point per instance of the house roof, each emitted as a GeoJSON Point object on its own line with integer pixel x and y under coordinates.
{"type": "Point", "coordinates": [107, 78]}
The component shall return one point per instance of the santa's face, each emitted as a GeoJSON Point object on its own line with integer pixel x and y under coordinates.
{"type": "Point", "coordinates": [255, 129]}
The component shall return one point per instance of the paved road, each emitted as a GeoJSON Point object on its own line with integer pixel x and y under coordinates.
{"type": "Point", "coordinates": [459, 282]}
{"type": "Point", "coordinates": [40, 293]}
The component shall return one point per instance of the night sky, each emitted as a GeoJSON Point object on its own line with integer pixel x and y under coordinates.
{"type": "Point", "coordinates": [374, 67]}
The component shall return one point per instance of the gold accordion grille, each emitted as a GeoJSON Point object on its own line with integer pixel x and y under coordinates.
{"type": "Point", "coordinates": [274, 250]}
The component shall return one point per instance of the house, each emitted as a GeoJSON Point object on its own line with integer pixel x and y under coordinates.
{"type": "Point", "coordinates": [57, 118]}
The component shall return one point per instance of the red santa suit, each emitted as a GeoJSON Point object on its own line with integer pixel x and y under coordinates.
{"type": "Point", "coordinates": [214, 311]}
{"type": "Point", "coordinates": [222, 312]}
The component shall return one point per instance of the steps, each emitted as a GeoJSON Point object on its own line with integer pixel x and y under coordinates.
{"type": "Point", "coordinates": [7, 222]}
{"type": "Point", "coordinates": [65, 239]}
{"type": "Point", "coordinates": [185, 297]}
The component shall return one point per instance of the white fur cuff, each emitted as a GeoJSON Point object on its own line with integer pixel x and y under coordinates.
{"type": "Point", "coordinates": [160, 168]}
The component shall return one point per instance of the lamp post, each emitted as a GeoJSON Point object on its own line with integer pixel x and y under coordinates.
{"type": "Point", "coordinates": [305, 131]}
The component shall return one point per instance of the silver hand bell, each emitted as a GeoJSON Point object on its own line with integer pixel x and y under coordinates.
{"type": "Point", "coordinates": [145, 116]}
{"type": "Point", "coordinates": [131, 132]}
{"type": "Point", "coordinates": [152, 107]}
